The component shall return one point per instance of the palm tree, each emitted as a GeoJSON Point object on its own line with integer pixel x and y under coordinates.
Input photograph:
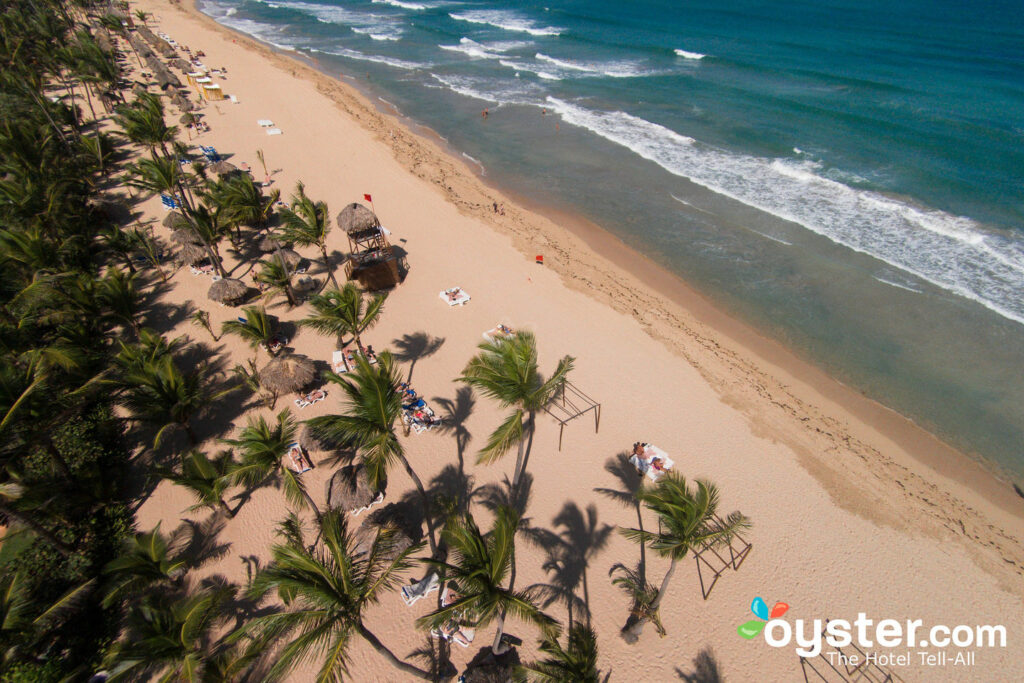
{"type": "Point", "coordinates": [171, 635]}
{"type": "Point", "coordinates": [143, 122]}
{"type": "Point", "coordinates": [257, 330]}
{"type": "Point", "coordinates": [344, 311]}
{"type": "Point", "coordinates": [206, 479]}
{"type": "Point", "coordinates": [117, 293]}
{"type": "Point", "coordinates": [144, 562]}
{"type": "Point", "coordinates": [577, 662]}
{"type": "Point", "coordinates": [263, 447]}
{"type": "Point", "coordinates": [164, 396]}
{"type": "Point", "coordinates": [372, 408]}
{"type": "Point", "coordinates": [240, 201]}
{"type": "Point", "coordinates": [306, 223]}
{"type": "Point", "coordinates": [202, 319]}
{"type": "Point", "coordinates": [329, 587]}
{"type": "Point", "coordinates": [277, 277]}
{"type": "Point", "coordinates": [479, 565]}
{"type": "Point", "coordinates": [687, 518]}
{"type": "Point", "coordinates": [506, 370]}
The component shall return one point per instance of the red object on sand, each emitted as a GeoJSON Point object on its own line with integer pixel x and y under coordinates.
{"type": "Point", "coordinates": [367, 197]}
{"type": "Point", "coordinates": [540, 259]}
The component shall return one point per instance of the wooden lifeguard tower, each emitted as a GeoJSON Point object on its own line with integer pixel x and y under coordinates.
{"type": "Point", "coordinates": [372, 260]}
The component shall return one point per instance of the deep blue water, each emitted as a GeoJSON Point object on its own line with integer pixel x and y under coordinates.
{"type": "Point", "coordinates": [847, 176]}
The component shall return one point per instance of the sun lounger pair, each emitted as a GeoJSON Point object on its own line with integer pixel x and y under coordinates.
{"type": "Point", "coordinates": [455, 296]}
{"type": "Point", "coordinates": [644, 464]}
{"type": "Point", "coordinates": [168, 202]}
{"type": "Point", "coordinates": [210, 153]}
{"type": "Point", "coordinates": [420, 589]}
{"type": "Point", "coordinates": [296, 459]}
{"type": "Point", "coordinates": [420, 417]}
{"type": "Point", "coordinates": [311, 398]}
{"type": "Point", "coordinates": [202, 270]}
{"type": "Point", "coordinates": [499, 331]}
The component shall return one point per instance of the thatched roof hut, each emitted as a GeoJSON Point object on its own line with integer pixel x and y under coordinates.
{"type": "Point", "coordinates": [356, 218]}
{"type": "Point", "coordinates": [175, 220]}
{"type": "Point", "coordinates": [291, 257]}
{"type": "Point", "coordinates": [271, 243]}
{"type": "Point", "coordinates": [191, 254]}
{"type": "Point", "coordinates": [183, 235]}
{"type": "Point", "coordinates": [228, 291]}
{"type": "Point", "coordinates": [287, 373]}
{"type": "Point", "coordinates": [404, 518]}
{"type": "Point", "coordinates": [313, 443]}
{"type": "Point", "coordinates": [367, 531]}
{"type": "Point", "coordinates": [349, 489]}
{"type": "Point", "coordinates": [223, 168]}
{"type": "Point", "coordinates": [181, 64]}
{"type": "Point", "coordinates": [485, 667]}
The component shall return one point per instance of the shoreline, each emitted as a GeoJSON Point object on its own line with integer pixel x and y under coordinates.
{"type": "Point", "coordinates": [914, 445]}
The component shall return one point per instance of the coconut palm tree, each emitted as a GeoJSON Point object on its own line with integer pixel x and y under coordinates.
{"type": "Point", "coordinates": [506, 370]}
{"type": "Point", "coordinates": [202, 319]}
{"type": "Point", "coordinates": [240, 201]}
{"type": "Point", "coordinates": [143, 123]}
{"type": "Point", "coordinates": [276, 276]}
{"type": "Point", "coordinates": [116, 292]}
{"type": "Point", "coordinates": [162, 395]}
{"type": "Point", "coordinates": [263, 447]}
{"type": "Point", "coordinates": [479, 565]}
{"type": "Point", "coordinates": [174, 636]}
{"type": "Point", "coordinates": [344, 311]}
{"type": "Point", "coordinates": [328, 586]}
{"type": "Point", "coordinates": [372, 408]}
{"type": "Point", "coordinates": [576, 662]}
{"type": "Point", "coordinates": [257, 330]}
{"type": "Point", "coordinates": [206, 479]}
{"type": "Point", "coordinates": [687, 518]}
{"type": "Point", "coordinates": [145, 562]}
{"type": "Point", "coordinates": [307, 223]}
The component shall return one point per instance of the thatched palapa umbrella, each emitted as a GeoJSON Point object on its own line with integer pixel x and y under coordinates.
{"type": "Point", "coordinates": [291, 257]}
{"type": "Point", "coordinates": [401, 518]}
{"type": "Point", "coordinates": [175, 220]}
{"type": "Point", "coordinates": [287, 373]}
{"type": "Point", "coordinates": [191, 254]}
{"type": "Point", "coordinates": [184, 235]}
{"type": "Point", "coordinates": [314, 443]}
{"type": "Point", "coordinates": [181, 102]}
{"type": "Point", "coordinates": [228, 291]}
{"type": "Point", "coordinates": [349, 489]}
{"type": "Point", "coordinates": [223, 168]}
{"type": "Point", "coordinates": [182, 64]}
{"type": "Point", "coordinates": [271, 243]}
{"type": "Point", "coordinates": [187, 117]}
{"type": "Point", "coordinates": [356, 218]}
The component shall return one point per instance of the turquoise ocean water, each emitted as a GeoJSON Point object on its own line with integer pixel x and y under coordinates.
{"type": "Point", "coordinates": [846, 176]}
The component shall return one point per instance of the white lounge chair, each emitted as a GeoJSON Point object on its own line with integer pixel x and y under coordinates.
{"type": "Point", "coordinates": [265, 123]}
{"type": "Point", "coordinates": [420, 589]}
{"type": "Point", "coordinates": [338, 363]}
{"type": "Point", "coordinates": [273, 131]}
{"type": "Point", "coordinates": [233, 98]}
{"type": "Point", "coordinates": [499, 331]}
{"type": "Point", "coordinates": [455, 296]}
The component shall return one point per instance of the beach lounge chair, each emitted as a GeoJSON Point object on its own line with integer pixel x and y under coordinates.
{"type": "Point", "coordinates": [376, 501]}
{"type": "Point", "coordinates": [499, 331]}
{"type": "Point", "coordinates": [210, 153]}
{"type": "Point", "coordinates": [420, 589]}
{"type": "Point", "coordinates": [296, 459]}
{"type": "Point", "coordinates": [312, 397]}
{"type": "Point", "coordinates": [421, 418]}
{"type": "Point", "coordinates": [265, 123]}
{"type": "Point", "coordinates": [274, 131]}
{"type": "Point", "coordinates": [338, 364]}
{"type": "Point", "coordinates": [168, 202]}
{"type": "Point", "coordinates": [455, 296]}
{"type": "Point", "coordinates": [233, 98]}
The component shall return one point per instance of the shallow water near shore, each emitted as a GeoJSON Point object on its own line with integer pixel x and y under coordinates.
{"type": "Point", "coordinates": [846, 181]}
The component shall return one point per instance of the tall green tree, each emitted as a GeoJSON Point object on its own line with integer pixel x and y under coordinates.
{"type": "Point", "coordinates": [257, 330]}
{"type": "Point", "coordinates": [480, 564]}
{"type": "Point", "coordinates": [687, 518]}
{"type": "Point", "coordinates": [160, 394]}
{"type": "Point", "coordinates": [576, 662]}
{"type": "Point", "coordinates": [205, 478]}
{"type": "Point", "coordinates": [328, 587]}
{"type": "Point", "coordinates": [145, 563]}
{"type": "Point", "coordinates": [372, 408]}
{"type": "Point", "coordinates": [506, 371]}
{"type": "Point", "coordinates": [344, 311]}
{"type": "Point", "coordinates": [276, 276]}
{"type": "Point", "coordinates": [307, 223]}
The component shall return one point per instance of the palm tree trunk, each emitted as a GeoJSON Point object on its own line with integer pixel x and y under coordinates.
{"type": "Point", "coordinates": [41, 531]}
{"type": "Point", "coordinates": [88, 98]}
{"type": "Point", "coordinates": [632, 631]}
{"type": "Point", "coordinates": [192, 438]}
{"type": "Point", "coordinates": [524, 453]}
{"type": "Point", "coordinates": [329, 266]}
{"type": "Point", "coordinates": [426, 506]}
{"type": "Point", "coordinates": [497, 647]}
{"type": "Point", "coordinates": [664, 586]}
{"type": "Point", "coordinates": [390, 656]}
{"type": "Point", "coordinates": [224, 506]}
{"type": "Point", "coordinates": [312, 505]}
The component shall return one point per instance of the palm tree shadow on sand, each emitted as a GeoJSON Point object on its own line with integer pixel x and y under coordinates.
{"type": "Point", "coordinates": [410, 348]}
{"type": "Point", "coordinates": [705, 669]}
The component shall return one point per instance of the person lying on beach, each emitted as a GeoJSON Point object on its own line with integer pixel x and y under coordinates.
{"type": "Point", "coordinates": [505, 329]}
{"type": "Point", "coordinates": [298, 460]}
{"type": "Point", "coordinates": [639, 449]}
{"type": "Point", "coordinates": [423, 418]}
{"type": "Point", "coordinates": [315, 395]}
{"type": "Point", "coordinates": [657, 464]}
{"type": "Point", "coordinates": [370, 354]}
{"type": "Point", "coordinates": [453, 294]}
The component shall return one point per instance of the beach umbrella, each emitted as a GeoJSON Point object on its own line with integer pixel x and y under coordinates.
{"type": "Point", "coordinates": [313, 443]}
{"type": "Point", "coordinates": [184, 235]}
{"type": "Point", "coordinates": [485, 667]}
{"type": "Point", "coordinates": [228, 291]}
{"type": "Point", "coordinates": [182, 64]}
{"type": "Point", "coordinates": [191, 254]}
{"type": "Point", "coordinates": [270, 243]}
{"type": "Point", "coordinates": [186, 118]}
{"type": "Point", "coordinates": [367, 531]}
{"type": "Point", "coordinates": [356, 218]}
{"type": "Point", "coordinates": [287, 373]}
{"type": "Point", "coordinates": [182, 103]}
{"type": "Point", "coordinates": [175, 220]}
{"type": "Point", "coordinates": [223, 168]}
{"type": "Point", "coordinates": [349, 489]}
{"type": "Point", "coordinates": [291, 257]}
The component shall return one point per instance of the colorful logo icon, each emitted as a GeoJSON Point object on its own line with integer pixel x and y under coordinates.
{"type": "Point", "coordinates": [760, 609]}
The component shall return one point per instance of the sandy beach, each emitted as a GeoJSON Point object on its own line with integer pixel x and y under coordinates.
{"type": "Point", "coordinates": [854, 508]}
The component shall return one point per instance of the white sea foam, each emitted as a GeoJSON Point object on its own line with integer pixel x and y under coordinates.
{"type": "Point", "coordinates": [404, 5]}
{"type": "Point", "coordinates": [377, 26]}
{"type": "Point", "coordinates": [506, 20]}
{"type": "Point", "coordinates": [689, 55]}
{"type": "Point", "coordinates": [523, 66]}
{"type": "Point", "coordinates": [610, 69]}
{"type": "Point", "coordinates": [489, 90]}
{"type": "Point", "coordinates": [952, 252]}
{"type": "Point", "coordinates": [231, 12]}
{"type": "Point", "coordinates": [379, 59]}
{"type": "Point", "coordinates": [268, 33]}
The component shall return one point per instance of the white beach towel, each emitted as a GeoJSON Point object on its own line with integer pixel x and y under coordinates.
{"type": "Point", "coordinates": [338, 364]}
{"type": "Point", "coordinates": [460, 299]}
{"type": "Point", "coordinates": [265, 123]}
{"type": "Point", "coordinates": [273, 131]}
